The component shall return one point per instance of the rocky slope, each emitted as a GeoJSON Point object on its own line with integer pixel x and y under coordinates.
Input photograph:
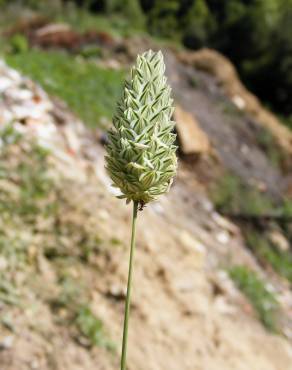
{"type": "Point", "coordinates": [68, 271]}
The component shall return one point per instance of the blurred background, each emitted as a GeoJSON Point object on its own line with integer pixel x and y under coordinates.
{"type": "Point", "coordinates": [213, 269]}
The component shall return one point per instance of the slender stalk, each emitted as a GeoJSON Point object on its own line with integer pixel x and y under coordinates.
{"type": "Point", "coordinates": [128, 298]}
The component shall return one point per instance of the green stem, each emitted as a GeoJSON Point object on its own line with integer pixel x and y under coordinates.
{"type": "Point", "coordinates": [128, 298]}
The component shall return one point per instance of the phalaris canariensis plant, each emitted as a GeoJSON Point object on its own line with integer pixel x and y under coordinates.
{"type": "Point", "coordinates": [141, 159]}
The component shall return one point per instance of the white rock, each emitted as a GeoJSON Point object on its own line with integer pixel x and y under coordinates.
{"type": "Point", "coordinates": [53, 29]}
{"type": "Point", "coordinates": [6, 342]}
{"type": "Point", "coordinates": [193, 140]}
{"type": "Point", "coordinates": [5, 83]}
{"type": "Point", "coordinates": [20, 94]}
{"type": "Point", "coordinates": [194, 246]}
{"type": "Point", "coordinates": [103, 214]}
{"type": "Point", "coordinates": [3, 263]}
{"type": "Point", "coordinates": [223, 237]}
{"type": "Point", "coordinates": [224, 223]}
{"type": "Point", "coordinates": [12, 74]}
{"type": "Point", "coordinates": [72, 139]}
{"type": "Point", "coordinates": [5, 116]}
{"type": "Point", "coordinates": [192, 243]}
{"type": "Point", "coordinates": [238, 101]}
{"type": "Point", "coordinates": [279, 240]}
{"type": "Point", "coordinates": [223, 306]}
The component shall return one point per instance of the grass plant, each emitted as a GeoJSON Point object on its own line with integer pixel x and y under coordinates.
{"type": "Point", "coordinates": [141, 159]}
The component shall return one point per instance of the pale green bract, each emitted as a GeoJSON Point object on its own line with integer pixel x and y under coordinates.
{"type": "Point", "coordinates": [141, 158]}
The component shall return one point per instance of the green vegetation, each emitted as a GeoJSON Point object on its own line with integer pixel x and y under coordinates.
{"type": "Point", "coordinates": [231, 195]}
{"type": "Point", "coordinates": [74, 299]}
{"type": "Point", "coordinates": [89, 90]}
{"type": "Point", "coordinates": [114, 24]}
{"type": "Point", "coordinates": [92, 329]}
{"type": "Point", "coordinates": [260, 45]}
{"type": "Point", "coordinates": [118, 18]}
{"type": "Point", "coordinates": [267, 142]}
{"type": "Point", "coordinates": [253, 25]}
{"type": "Point", "coordinates": [262, 299]}
{"type": "Point", "coordinates": [267, 253]}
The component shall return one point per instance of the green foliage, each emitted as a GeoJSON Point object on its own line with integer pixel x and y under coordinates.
{"type": "Point", "coordinates": [129, 9]}
{"type": "Point", "coordinates": [241, 29]}
{"type": "Point", "coordinates": [89, 90]}
{"type": "Point", "coordinates": [74, 298]}
{"type": "Point", "coordinates": [286, 208]}
{"type": "Point", "coordinates": [162, 19]}
{"type": "Point", "coordinates": [262, 299]}
{"type": "Point", "coordinates": [199, 25]}
{"type": "Point", "coordinates": [71, 295]}
{"type": "Point", "coordinates": [92, 328]}
{"type": "Point", "coordinates": [18, 44]}
{"type": "Point", "coordinates": [132, 10]}
{"type": "Point", "coordinates": [268, 143]}
{"type": "Point", "coordinates": [267, 253]}
{"type": "Point", "coordinates": [231, 195]}
{"type": "Point", "coordinates": [116, 24]}
{"type": "Point", "coordinates": [9, 136]}
{"type": "Point", "coordinates": [274, 62]}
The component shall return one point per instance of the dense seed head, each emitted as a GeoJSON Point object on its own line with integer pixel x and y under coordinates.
{"type": "Point", "coordinates": [141, 159]}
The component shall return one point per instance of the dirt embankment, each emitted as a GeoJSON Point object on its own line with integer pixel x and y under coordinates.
{"type": "Point", "coordinates": [186, 312]}
{"type": "Point", "coordinates": [222, 69]}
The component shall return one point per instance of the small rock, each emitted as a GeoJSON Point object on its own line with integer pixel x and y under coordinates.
{"type": "Point", "coordinates": [206, 204]}
{"type": "Point", "coordinates": [193, 140]}
{"type": "Point", "coordinates": [20, 94]}
{"type": "Point", "coordinates": [195, 246]}
{"type": "Point", "coordinates": [224, 223]}
{"type": "Point", "coordinates": [117, 291]}
{"type": "Point", "coordinates": [3, 263]}
{"type": "Point", "coordinates": [223, 285]}
{"type": "Point", "coordinates": [279, 240]}
{"type": "Point", "coordinates": [46, 269]}
{"type": "Point", "coordinates": [52, 28]}
{"type": "Point", "coordinates": [185, 285]}
{"type": "Point", "coordinates": [72, 139]}
{"type": "Point", "coordinates": [111, 64]}
{"type": "Point", "coordinates": [103, 214]}
{"type": "Point", "coordinates": [223, 237]}
{"type": "Point", "coordinates": [6, 342]}
{"type": "Point", "coordinates": [223, 306]}
{"type": "Point", "coordinates": [5, 83]}
{"type": "Point", "coordinates": [238, 101]}
{"type": "Point", "coordinates": [34, 365]}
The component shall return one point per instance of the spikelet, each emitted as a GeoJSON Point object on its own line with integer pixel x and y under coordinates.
{"type": "Point", "coordinates": [141, 159]}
